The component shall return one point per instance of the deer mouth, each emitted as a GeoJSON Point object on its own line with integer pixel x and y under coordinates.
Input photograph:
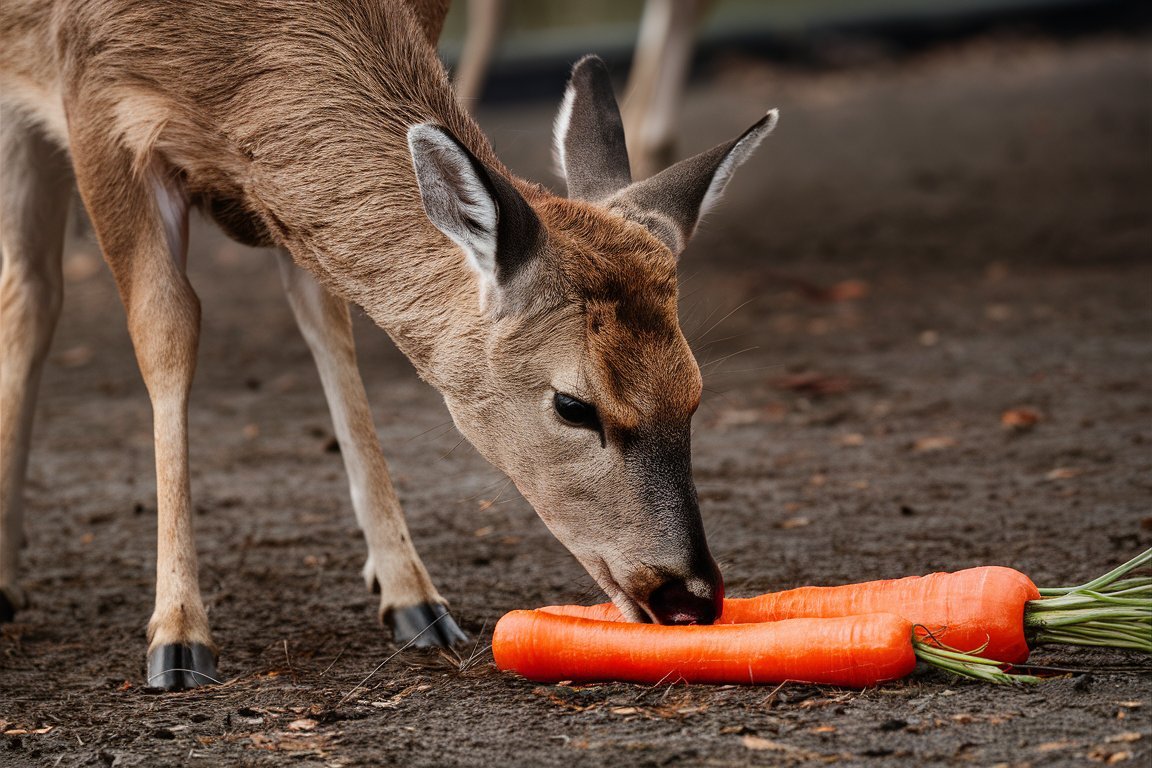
{"type": "Point", "coordinates": [632, 610]}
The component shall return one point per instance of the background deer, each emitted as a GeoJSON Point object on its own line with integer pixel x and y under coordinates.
{"type": "Point", "coordinates": [329, 131]}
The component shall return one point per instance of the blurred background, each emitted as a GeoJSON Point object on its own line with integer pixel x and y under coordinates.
{"type": "Point", "coordinates": [923, 311]}
{"type": "Point", "coordinates": [538, 40]}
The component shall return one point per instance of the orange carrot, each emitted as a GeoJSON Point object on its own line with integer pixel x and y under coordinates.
{"type": "Point", "coordinates": [852, 651]}
{"type": "Point", "coordinates": [992, 612]}
{"type": "Point", "coordinates": [978, 610]}
{"type": "Point", "coordinates": [996, 613]}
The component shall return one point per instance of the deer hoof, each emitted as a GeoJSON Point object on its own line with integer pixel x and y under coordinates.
{"type": "Point", "coordinates": [427, 625]}
{"type": "Point", "coordinates": [176, 667]}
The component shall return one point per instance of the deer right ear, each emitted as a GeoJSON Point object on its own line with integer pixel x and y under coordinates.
{"type": "Point", "coordinates": [671, 203]}
{"type": "Point", "coordinates": [588, 137]}
{"type": "Point", "coordinates": [476, 208]}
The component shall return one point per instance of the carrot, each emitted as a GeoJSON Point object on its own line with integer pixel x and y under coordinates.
{"type": "Point", "coordinates": [852, 651]}
{"type": "Point", "coordinates": [975, 608]}
{"type": "Point", "coordinates": [991, 611]}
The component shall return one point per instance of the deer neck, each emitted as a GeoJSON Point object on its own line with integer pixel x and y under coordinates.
{"type": "Point", "coordinates": [354, 218]}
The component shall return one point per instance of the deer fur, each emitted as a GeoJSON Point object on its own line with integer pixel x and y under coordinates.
{"type": "Point", "coordinates": [329, 131]}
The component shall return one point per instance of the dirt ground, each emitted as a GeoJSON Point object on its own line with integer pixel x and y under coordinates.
{"type": "Point", "coordinates": [921, 247]}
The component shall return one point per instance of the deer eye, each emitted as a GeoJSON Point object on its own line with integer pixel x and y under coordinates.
{"type": "Point", "coordinates": [576, 412]}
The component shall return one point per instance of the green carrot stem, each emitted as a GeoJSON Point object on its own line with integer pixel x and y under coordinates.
{"type": "Point", "coordinates": [1128, 639]}
{"type": "Point", "coordinates": [1142, 559]}
{"type": "Point", "coordinates": [1114, 610]}
{"type": "Point", "coordinates": [1059, 637]}
{"type": "Point", "coordinates": [1081, 615]}
{"type": "Point", "coordinates": [1088, 599]}
{"type": "Point", "coordinates": [966, 665]}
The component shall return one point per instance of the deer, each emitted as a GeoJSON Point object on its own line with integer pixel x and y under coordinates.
{"type": "Point", "coordinates": [330, 133]}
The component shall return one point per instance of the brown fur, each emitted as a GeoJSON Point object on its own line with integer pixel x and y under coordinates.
{"type": "Point", "coordinates": [287, 122]}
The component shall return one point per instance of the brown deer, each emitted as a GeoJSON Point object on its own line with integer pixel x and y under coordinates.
{"type": "Point", "coordinates": [329, 130]}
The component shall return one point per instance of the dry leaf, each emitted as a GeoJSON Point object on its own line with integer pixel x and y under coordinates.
{"type": "Point", "coordinates": [27, 731]}
{"type": "Point", "coordinates": [1020, 419]}
{"type": "Point", "coordinates": [1063, 473]}
{"type": "Point", "coordinates": [624, 710]}
{"type": "Point", "coordinates": [303, 724]}
{"type": "Point", "coordinates": [935, 443]}
{"type": "Point", "coordinates": [1054, 746]}
{"type": "Point", "coordinates": [824, 729]}
{"type": "Point", "coordinates": [1124, 737]}
{"type": "Point", "coordinates": [851, 440]}
{"type": "Point", "coordinates": [761, 745]}
{"type": "Point", "coordinates": [847, 290]}
{"type": "Point", "coordinates": [390, 704]}
{"type": "Point", "coordinates": [739, 417]}
{"type": "Point", "coordinates": [1109, 756]}
{"type": "Point", "coordinates": [482, 532]}
{"type": "Point", "coordinates": [818, 384]}
{"type": "Point", "coordinates": [793, 522]}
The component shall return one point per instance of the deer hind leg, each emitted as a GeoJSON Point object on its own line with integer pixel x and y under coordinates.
{"type": "Point", "coordinates": [656, 83]}
{"type": "Point", "coordinates": [485, 20]}
{"type": "Point", "coordinates": [140, 215]}
{"type": "Point", "coordinates": [408, 600]}
{"type": "Point", "coordinates": [34, 194]}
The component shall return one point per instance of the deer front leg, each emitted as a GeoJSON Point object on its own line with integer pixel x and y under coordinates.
{"type": "Point", "coordinates": [141, 220]}
{"type": "Point", "coordinates": [408, 600]}
{"type": "Point", "coordinates": [34, 195]}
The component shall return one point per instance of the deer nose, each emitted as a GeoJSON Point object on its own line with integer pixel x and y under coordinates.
{"type": "Point", "coordinates": [675, 602]}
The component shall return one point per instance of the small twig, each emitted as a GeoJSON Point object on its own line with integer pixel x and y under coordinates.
{"type": "Point", "coordinates": [333, 663]}
{"type": "Point", "coordinates": [380, 666]}
{"type": "Point", "coordinates": [180, 669]}
{"type": "Point", "coordinates": [288, 661]}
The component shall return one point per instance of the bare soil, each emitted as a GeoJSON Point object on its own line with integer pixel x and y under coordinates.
{"type": "Point", "coordinates": [921, 247]}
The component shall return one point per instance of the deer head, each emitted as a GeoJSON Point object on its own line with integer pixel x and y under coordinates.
{"type": "Point", "coordinates": [582, 386]}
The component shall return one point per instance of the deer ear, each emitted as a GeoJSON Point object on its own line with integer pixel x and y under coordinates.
{"type": "Point", "coordinates": [588, 137]}
{"type": "Point", "coordinates": [476, 208]}
{"type": "Point", "coordinates": [673, 201]}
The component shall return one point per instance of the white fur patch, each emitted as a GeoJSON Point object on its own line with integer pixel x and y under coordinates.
{"type": "Point", "coordinates": [560, 131]}
{"type": "Point", "coordinates": [172, 205]}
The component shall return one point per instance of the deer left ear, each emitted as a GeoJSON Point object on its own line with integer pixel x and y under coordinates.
{"type": "Point", "coordinates": [478, 209]}
{"type": "Point", "coordinates": [672, 202]}
{"type": "Point", "coordinates": [588, 136]}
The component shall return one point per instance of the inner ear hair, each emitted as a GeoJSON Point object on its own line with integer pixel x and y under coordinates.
{"type": "Point", "coordinates": [477, 208]}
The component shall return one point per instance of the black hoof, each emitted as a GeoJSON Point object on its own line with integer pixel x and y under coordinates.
{"type": "Point", "coordinates": [175, 667]}
{"type": "Point", "coordinates": [428, 625]}
{"type": "Point", "coordinates": [7, 610]}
